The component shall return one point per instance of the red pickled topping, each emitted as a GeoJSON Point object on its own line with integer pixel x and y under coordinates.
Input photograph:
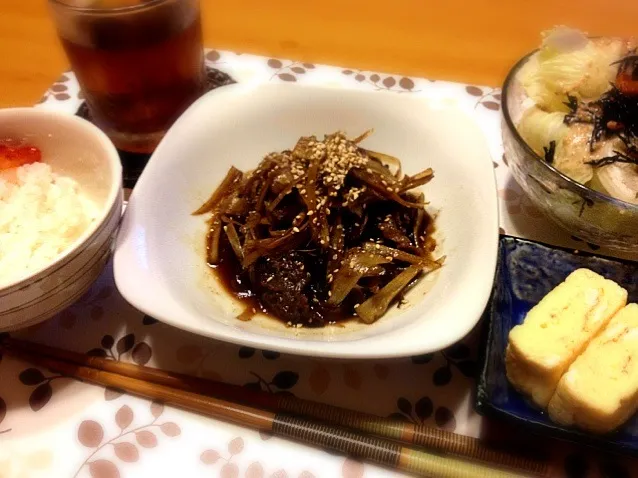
{"type": "Point", "coordinates": [16, 156]}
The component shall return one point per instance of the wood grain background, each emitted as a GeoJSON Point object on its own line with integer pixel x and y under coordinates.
{"type": "Point", "coordinates": [473, 41]}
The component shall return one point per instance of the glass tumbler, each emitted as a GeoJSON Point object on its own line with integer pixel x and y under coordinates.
{"type": "Point", "coordinates": [140, 64]}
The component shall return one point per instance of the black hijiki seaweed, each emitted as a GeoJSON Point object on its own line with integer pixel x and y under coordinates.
{"type": "Point", "coordinates": [615, 113]}
{"type": "Point", "coordinates": [550, 152]}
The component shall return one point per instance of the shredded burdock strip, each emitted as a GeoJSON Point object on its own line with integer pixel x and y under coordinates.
{"type": "Point", "coordinates": [322, 232]}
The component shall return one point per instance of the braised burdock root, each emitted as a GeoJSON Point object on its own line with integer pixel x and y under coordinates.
{"type": "Point", "coordinates": [321, 233]}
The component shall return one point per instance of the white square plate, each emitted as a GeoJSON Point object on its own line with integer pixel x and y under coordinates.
{"type": "Point", "coordinates": [160, 263]}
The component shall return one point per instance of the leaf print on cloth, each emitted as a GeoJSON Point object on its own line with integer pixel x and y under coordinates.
{"type": "Point", "coordinates": [111, 393]}
{"type": "Point", "coordinates": [125, 444]}
{"type": "Point", "coordinates": [213, 56]}
{"type": "Point", "coordinates": [248, 352]}
{"type": "Point", "coordinates": [235, 446]}
{"type": "Point", "coordinates": [124, 417]}
{"type": "Point", "coordinates": [43, 391]}
{"type": "Point", "coordinates": [421, 411]}
{"type": "Point", "coordinates": [90, 434]}
{"type": "Point", "coordinates": [381, 371]}
{"type": "Point", "coordinates": [3, 414]}
{"type": "Point", "coordinates": [351, 377]}
{"type": "Point", "coordinates": [418, 414]}
{"type": "Point", "coordinates": [124, 345]}
{"type": "Point", "coordinates": [288, 71]}
{"type": "Point", "coordinates": [490, 99]}
{"type": "Point", "coordinates": [283, 380]}
{"type": "Point", "coordinates": [92, 301]}
{"type": "Point", "coordinates": [458, 356]}
{"type": "Point", "coordinates": [148, 320]}
{"type": "Point", "coordinates": [229, 467]}
{"type": "Point", "coordinates": [319, 379]}
{"type": "Point", "coordinates": [422, 359]}
{"type": "Point", "coordinates": [103, 469]}
{"type": "Point", "coordinates": [254, 470]}
{"type": "Point", "coordinates": [58, 91]}
{"type": "Point", "coordinates": [196, 358]}
{"type": "Point", "coordinates": [352, 469]}
{"type": "Point", "coordinates": [146, 439]}
{"type": "Point", "coordinates": [140, 353]}
{"type": "Point", "coordinates": [383, 82]}
{"type": "Point", "coordinates": [444, 418]}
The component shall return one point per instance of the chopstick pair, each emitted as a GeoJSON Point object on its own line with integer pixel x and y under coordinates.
{"type": "Point", "coordinates": [362, 436]}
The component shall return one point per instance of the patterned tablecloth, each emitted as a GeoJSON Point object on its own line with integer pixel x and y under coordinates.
{"type": "Point", "coordinates": [52, 426]}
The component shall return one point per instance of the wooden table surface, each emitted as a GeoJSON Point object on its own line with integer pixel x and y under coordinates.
{"type": "Point", "coordinates": [473, 41]}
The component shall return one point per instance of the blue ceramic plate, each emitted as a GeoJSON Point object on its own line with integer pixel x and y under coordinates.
{"type": "Point", "coordinates": [527, 271]}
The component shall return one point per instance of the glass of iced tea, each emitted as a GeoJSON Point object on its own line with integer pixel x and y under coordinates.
{"type": "Point", "coordinates": [139, 63]}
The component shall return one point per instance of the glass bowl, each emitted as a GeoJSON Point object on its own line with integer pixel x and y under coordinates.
{"type": "Point", "coordinates": [590, 215]}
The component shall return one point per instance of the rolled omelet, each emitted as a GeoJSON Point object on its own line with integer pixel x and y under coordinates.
{"type": "Point", "coordinates": [557, 330]}
{"type": "Point", "coordinates": [599, 391]}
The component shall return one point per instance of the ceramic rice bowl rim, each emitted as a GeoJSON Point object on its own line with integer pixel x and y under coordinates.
{"type": "Point", "coordinates": [101, 222]}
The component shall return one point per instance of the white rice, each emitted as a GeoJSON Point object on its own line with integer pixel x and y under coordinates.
{"type": "Point", "coordinates": [41, 214]}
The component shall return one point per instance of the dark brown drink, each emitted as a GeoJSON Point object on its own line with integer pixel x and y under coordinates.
{"type": "Point", "coordinates": [139, 65]}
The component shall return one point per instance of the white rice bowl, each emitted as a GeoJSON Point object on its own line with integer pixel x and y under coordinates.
{"type": "Point", "coordinates": [41, 215]}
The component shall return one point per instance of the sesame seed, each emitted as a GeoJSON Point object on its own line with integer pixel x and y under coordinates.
{"type": "Point", "coordinates": [356, 305]}
{"type": "Point", "coordinates": [329, 293]}
{"type": "Point", "coordinates": [310, 213]}
{"type": "Point", "coordinates": [295, 229]}
{"type": "Point", "coordinates": [269, 279]}
{"type": "Point", "coordinates": [334, 256]}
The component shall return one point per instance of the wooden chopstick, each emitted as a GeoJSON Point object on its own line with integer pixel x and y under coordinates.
{"type": "Point", "coordinates": [287, 416]}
